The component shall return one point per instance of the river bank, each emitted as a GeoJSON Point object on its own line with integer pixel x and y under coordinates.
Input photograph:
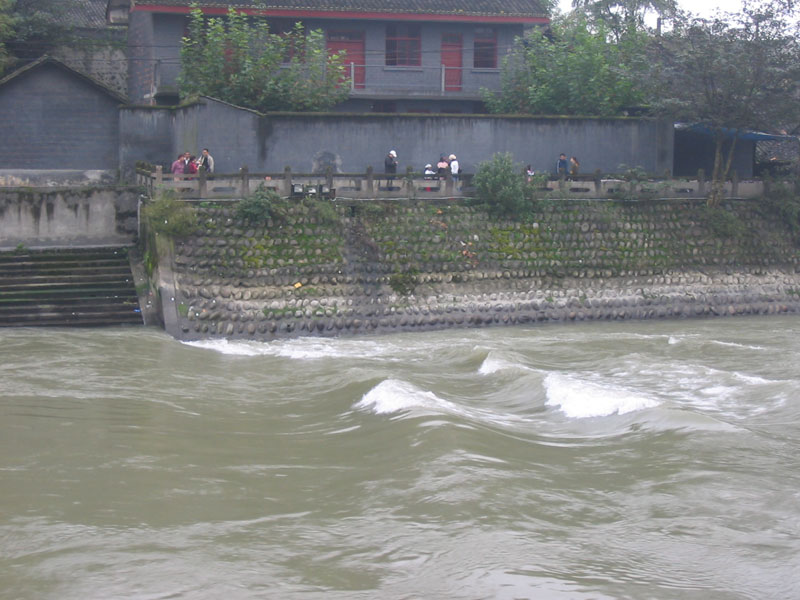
{"type": "Point", "coordinates": [328, 269]}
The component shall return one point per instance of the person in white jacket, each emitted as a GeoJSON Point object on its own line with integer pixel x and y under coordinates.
{"type": "Point", "coordinates": [454, 168]}
{"type": "Point", "coordinates": [206, 161]}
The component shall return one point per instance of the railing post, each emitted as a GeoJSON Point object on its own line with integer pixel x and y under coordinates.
{"type": "Point", "coordinates": [329, 175]}
{"type": "Point", "coordinates": [448, 183]}
{"type": "Point", "coordinates": [443, 78]}
{"type": "Point", "coordinates": [159, 175]}
{"type": "Point", "coordinates": [370, 180]}
{"type": "Point", "coordinates": [245, 172]}
{"type": "Point", "coordinates": [201, 187]}
{"type": "Point", "coordinates": [701, 182]}
{"type": "Point", "coordinates": [598, 181]}
{"type": "Point", "coordinates": [352, 76]}
{"type": "Point", "coordinates": [287, 182]}
{"type": "Point", "coordinates": [735, 184]}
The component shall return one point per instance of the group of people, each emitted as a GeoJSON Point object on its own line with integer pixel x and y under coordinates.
{"type": "Point", "coordinates": [189, 164]}
{"type": "Point", "coordinates": [446, 165]}
{"type": "Point", "coordinates": [566, 168]}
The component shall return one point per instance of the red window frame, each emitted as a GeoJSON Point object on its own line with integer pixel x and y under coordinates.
{"type": "Point", "coordinates": [484, 48]}
{"type": "Point", "coordinates": [403, 45]}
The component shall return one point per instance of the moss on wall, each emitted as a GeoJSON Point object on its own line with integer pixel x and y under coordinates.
{"type": "Point", "coordinates": [379, 263]}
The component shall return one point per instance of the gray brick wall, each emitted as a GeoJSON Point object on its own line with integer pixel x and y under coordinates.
{"type": "Point", "coordinates": [141, 61]}
{"type": "Point", "coordinates": [268, 143]}
{"type": "Point", "coordinates": [52, 119]}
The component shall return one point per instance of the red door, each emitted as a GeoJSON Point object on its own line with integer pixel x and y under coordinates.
{"type": "Point", "coordinates": [451, 61]}
{"type": "Point", "coordinates": [352, 42]}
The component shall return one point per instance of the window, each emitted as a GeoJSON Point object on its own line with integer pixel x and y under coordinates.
{"type": "Point", "coordinates": [402, 45]}
{"type": "Point", "coordinates": [345, 36]}
{"type": "Point", "coordinates": [485, 48]}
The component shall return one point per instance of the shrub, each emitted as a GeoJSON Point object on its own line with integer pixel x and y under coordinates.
{"type": "Point", "coordinates": [783, 201]}
{"type": "Point", "coordinates": [722, 223]}
{"type": "Point", "coordinates": [259, 206]}
{"type": "Point", "coordinates": [403, 282]}
{"type": "Point", "coordinates": [323, 210]}
{"type": "Point", "coordinates": [169, 215]}
{"type": "Point", "coordinates": [501, 187]}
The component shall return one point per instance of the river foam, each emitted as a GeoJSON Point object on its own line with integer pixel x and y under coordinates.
{"type": "Point", "coordinates": [579, 399]}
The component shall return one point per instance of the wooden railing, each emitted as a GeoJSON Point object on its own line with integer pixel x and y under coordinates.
{"type": "Point", "coordinates": [370, 185]}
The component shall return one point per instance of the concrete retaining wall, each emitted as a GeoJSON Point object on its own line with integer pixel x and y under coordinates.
{"type": "Point", "coordinates": [68, 217]}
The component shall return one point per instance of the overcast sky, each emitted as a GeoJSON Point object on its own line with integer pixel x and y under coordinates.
{"type": "Point", "coordinates": [703, 8]}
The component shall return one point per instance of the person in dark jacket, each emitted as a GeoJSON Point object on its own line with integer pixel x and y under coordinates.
{"type": "Point", "coordinates": [390, 166]}
{"type": "Point", "coordinates": [562, 166]}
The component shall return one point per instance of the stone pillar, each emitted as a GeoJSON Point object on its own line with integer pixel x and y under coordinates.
{"type": "Point", "coordinates": [201, 183]}
{"type": "Point", "coordinates": [287, 182]}
{"type": "Point", "coordinates": [329, 175]}
{"type": "Point", "coordinates": [370, 181]}
{"type": "Point", "coordinates": [245, 173]}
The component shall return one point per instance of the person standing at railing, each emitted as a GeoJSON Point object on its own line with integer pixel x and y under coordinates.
{"type": "Point", "coordinates": [390, 166]}
{"type": "Point", "coordinates": [178, 167]}
{"type": "Point", "coordinates": [574, 166]}
{"type": "Point", "coordinates": [562, 166]}
{"type": "Point", "coordinates": [206, 161]}
{"type": "Point", "coordinates": [191, 166]}
{"type": "Point", "coordinates": [442, 167]}
{"type": "Point", "coordinates": [454, 168]}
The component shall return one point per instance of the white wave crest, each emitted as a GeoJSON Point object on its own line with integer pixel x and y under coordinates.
{"type": "Point", "coordinates": [737, 345]}
{"type": "Point", "coordinates": [581, 399]}
{"type": "Point", "coordinates": [231, 348]}
{"type": "Point", "coordinates": [493, 364]}
{"type": "Point", "coordinates": [299, 349]}
{"type": "Point", "coordinates": [394, 395]}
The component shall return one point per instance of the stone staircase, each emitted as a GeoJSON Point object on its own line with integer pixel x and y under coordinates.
{"type": "Point", "coordinates": [67, 288]}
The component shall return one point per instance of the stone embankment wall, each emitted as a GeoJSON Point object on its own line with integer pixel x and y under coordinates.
{"type": "Point", "coordinates": [381, 267]}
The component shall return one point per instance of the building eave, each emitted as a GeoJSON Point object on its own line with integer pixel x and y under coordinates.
{"type": "Point", "coordinates": [352, 15]}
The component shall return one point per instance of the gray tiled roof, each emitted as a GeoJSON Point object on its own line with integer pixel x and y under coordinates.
{"type": "Point", "coordinates": [85, 13]}
{"type": "Point", "coordinates": [519, 8]}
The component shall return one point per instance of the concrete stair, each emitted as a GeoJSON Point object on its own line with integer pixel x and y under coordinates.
{"type": "Point", "coordinates": [68, 288]}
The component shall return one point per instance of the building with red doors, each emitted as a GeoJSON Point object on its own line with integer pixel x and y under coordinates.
{"type": "Point", "coordinates": [403, 56]}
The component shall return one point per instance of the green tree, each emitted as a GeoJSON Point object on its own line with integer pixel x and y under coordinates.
{"type": "Point", "coordinates": [730, 73]}
{"type": "Point", "coordinates": [238, 59]}
{"type": "Point", "coordinates": [7, 21]}
{"type": "Point", "coordinates": [621, 17]}
{"type": "Point", "coordinates": [35, 27]}
{"type": "Point", "coordinates": [571, 70]}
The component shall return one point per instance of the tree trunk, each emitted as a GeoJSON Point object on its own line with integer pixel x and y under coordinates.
{"type": "Point", "coordinates": [722, 166]}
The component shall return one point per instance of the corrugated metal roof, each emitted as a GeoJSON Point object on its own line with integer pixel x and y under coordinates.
{"type": "Point", "coordinates": [508, 8]}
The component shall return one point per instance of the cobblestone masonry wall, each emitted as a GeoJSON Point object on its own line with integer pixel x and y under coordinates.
{"type": "Point", "coordinates": [382, 267]}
